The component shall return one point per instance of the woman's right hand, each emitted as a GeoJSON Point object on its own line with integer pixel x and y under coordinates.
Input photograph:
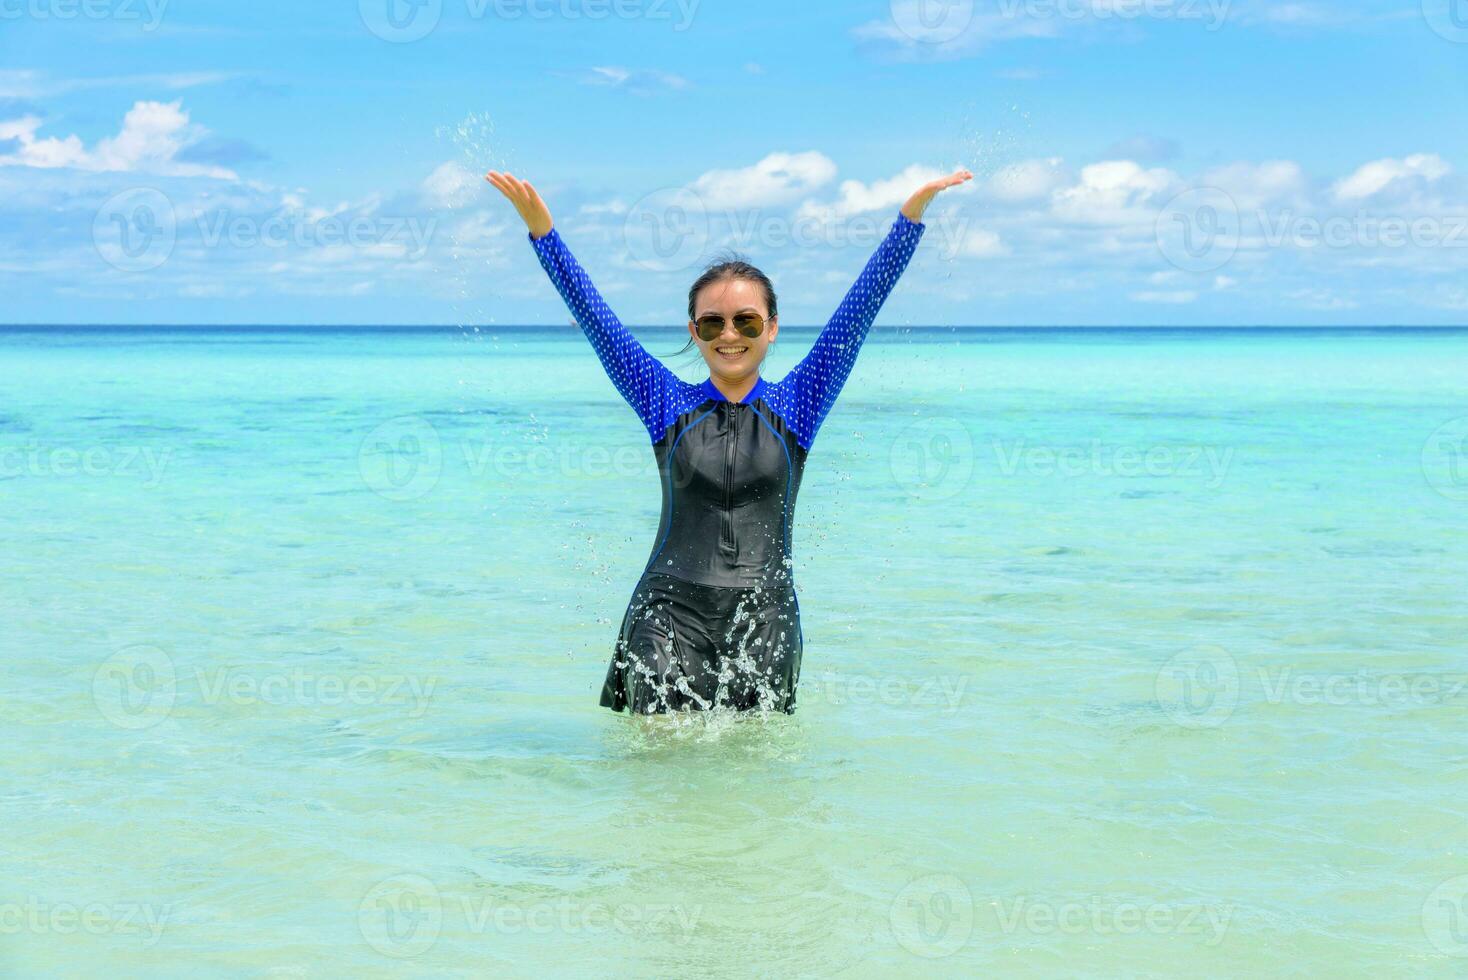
{"type": "Point", "coordinates": [527, 202]}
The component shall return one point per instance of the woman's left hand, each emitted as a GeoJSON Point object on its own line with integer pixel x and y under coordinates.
{"type": "Point", "coordinates": [918, 203]}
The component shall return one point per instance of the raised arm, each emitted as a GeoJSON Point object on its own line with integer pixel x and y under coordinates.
{"type": "Point", "coordinates": [811, 387]}
{"type": "Point", "coordinates": [814, 383]}
{"type": "Point", "coordinates": [643, 380]}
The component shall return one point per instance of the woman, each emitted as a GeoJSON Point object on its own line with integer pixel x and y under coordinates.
{"type": "Point", "coordinates": [714, 620]}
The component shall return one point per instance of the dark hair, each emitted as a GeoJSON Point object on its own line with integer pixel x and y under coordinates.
{"type": "Point", "coordinates": [729, 267]}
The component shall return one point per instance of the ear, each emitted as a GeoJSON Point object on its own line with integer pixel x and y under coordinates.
{"type": "Point", "coordinates": [774, 327]}
{"type": "Point", "coordinates": [692, 329]}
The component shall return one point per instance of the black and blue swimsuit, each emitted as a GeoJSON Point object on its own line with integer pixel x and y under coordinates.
{"type": "Point", "coordinates": [714, 621]}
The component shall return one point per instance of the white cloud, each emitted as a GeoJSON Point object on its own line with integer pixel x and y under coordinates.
{"type": "Point", "coordinates": [609, 76]}
{"type": "Point", "coordinates": [1115, 192]}
{"type": "Point", "coordinates": [19, 83]}
{"type": "Point", "coordinates": [316, 286]}
{"type": "Point", "coordinates": [1143, 147]}
{"type": "Point", "coordinates": [1300, 15]}
{"type": "Point", "coordinates": [38, 153]}
{"type": "Point", "coordinates": [1374, 177]}
{"type": "Point", "coordinates": [980, 244]}
{"type": "Point", "coordinates": [1321, 299]}
{"type": "Point", "coordinates": [1047, 228]}
{"type": "Point", "coordinates": [1254, 185]}
{"type": "Point", "coordinates": [480, 230]}
{"type": "Point", "coordinates": [210, 290]}
{"type": "Point", "coordinates": [639, 81]}
{"type": "Point", "coordinates": [317, 214]}
{"type": "Point", "coordinates": [928, 30]}
{"type": "Point", "coordinates": [614, 206]}
{"type": "Point", "coordinates": [1295, 14]}
{"type": "Point", "coordinates": [1027, 180]}
{"type": "Point", "coordinates": [151, 137]}
{"type": "Point", "coordinates": [452, 185]}
{"type": "Point", "coordinates": [1451, 298]}
{"type": "Point", "coordinates": [855, 197]}
{"type": "Point", "coordinates": [913, 32]}
{"type": "Point", "coordinates": [27, 83]}
{"type": "Point", "coordinates": [1177, 297]}
{"type": "Point", "coordinates": [777, 179]}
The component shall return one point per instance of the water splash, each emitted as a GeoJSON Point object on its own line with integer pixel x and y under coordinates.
{"type": "Point", "coordinates": [477, 150]}
{"type": "Point", "coordinates": [757, 661]}
{"type": "Point", "coordinates": [1002, 139]}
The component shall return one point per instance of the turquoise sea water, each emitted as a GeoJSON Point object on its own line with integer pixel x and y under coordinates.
{"type": "Point", "coordinates": [1126, 654]}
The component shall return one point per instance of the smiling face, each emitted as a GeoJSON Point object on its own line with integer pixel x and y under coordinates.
{"type": "Point", "coordinates": [732, 357]}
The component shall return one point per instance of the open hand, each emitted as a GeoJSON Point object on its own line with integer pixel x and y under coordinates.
{"type": "Point", "coordinates": [532, 209]}
{"type": "Point", "coordinates": [918, 203]}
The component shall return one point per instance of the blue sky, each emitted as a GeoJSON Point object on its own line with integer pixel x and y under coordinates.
{"type": "Point", "coordinates": [1137, 161]}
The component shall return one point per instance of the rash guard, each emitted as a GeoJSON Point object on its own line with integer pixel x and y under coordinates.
{"type": "Point", "coordinates": [730, 470]}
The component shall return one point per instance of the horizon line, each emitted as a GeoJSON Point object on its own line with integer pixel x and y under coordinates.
{"type": "Point", "coordinates": [653, 326]}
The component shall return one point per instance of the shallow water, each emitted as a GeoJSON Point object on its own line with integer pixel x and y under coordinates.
{"type": "Point", "coordinates": [1125, 654]}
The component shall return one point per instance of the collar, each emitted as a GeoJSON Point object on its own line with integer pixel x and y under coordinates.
{"type": "Point", "coordinates": [713, 392]}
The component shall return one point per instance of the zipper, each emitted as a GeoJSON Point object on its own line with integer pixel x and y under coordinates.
{"type": "Point", "coordinates": [726, 536]}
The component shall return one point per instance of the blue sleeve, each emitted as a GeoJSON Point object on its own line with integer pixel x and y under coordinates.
{"type": "Point", "coordinates": [811, 387]}
{"type": "Point", "coordinates": [647, 385]}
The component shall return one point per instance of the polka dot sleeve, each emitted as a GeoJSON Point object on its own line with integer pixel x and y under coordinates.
{"type": "Point", "coordinates": [807, 393]}
{"type": "Point", "coordinates": [647, 385]}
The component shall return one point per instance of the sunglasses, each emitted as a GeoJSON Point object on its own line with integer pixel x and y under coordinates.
{"type": "Point", "coordinates": [711, 325]}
